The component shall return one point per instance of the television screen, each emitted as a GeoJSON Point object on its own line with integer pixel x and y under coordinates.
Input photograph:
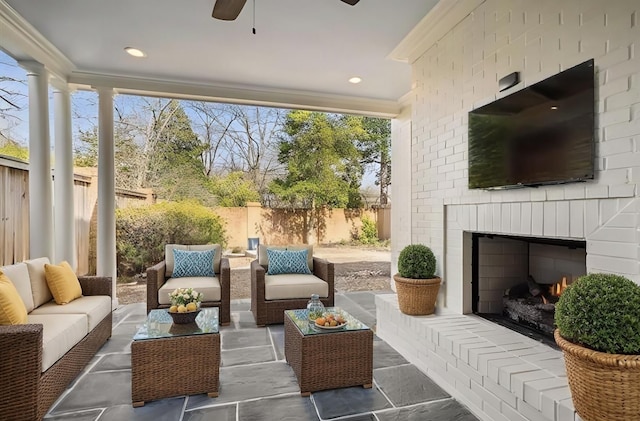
{"type": "Point", "coordinates": [542, 134]}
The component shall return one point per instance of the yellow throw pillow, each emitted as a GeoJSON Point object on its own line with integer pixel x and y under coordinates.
{"type": "Point", "coordinates": [12, 308]}
{"type": "Point", "coordinates": [62, 282]}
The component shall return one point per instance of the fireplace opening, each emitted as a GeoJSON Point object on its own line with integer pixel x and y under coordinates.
{"type": "Point", "coordinates": [517, 281]}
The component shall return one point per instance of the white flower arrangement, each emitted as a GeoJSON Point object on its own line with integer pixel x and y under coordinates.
{"type": "Point", "coordinates": [184, 296]}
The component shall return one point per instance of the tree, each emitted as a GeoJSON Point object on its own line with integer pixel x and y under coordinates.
{"type": "Point", "coordinates": [13, 96]}
{"type": "Point", "coordinates": [374, 144]}
{"type": "Point", "coordinates": [12, 148]}
{"type": "Point", "coordinates": [322, 163]}
{"type": "Point", "coordinates": [234, 190]}
{"type": "Point", "coordinates": [239, 138]}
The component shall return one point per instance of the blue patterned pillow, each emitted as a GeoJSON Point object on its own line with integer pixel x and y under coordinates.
{"type": "Point", "coordinates": [287, 261]}
{"type": "Point", "coordinates": [193, 263]}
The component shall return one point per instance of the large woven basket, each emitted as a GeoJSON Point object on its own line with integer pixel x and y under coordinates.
{"type": "Point", "coordinates": [603, 386]}
{"type": "Point", "coordinates": [417, 297]}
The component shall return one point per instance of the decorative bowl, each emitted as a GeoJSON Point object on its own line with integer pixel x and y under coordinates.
{"type": "Point", "coordinates": [184, 318]}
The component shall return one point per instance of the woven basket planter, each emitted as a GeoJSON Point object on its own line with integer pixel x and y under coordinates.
{"type": "Point", "coordinates": [603, 386]}
{"type": "Point", "coordinates": [417, 297]}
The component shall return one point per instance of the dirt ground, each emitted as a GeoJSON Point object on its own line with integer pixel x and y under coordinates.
{"type": "Point", "coordinates": [356, 269]}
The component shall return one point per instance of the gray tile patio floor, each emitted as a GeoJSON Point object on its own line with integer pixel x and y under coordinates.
{"type": "Point", "coordinates": [255, 381]}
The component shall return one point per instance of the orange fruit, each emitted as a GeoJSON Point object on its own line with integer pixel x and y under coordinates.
{"type": "Point", "coordinates": [320, 321]}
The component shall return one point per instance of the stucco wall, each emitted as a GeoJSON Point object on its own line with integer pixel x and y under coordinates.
{"type": "Point", "coordinates": [460, 71]}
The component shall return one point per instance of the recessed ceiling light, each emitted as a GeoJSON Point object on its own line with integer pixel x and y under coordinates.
{"type": "Point", "coordinates": [355, 80]}
{"type": "Point", "coordinates": [553, 107]}
{"type": "Point", "coordinates": [135, 52]}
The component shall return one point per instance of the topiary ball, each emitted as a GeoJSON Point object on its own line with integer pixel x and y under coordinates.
{"type": "Point", "coordinates": [602, 312]}
{"type": "Point", "coordinates": [417, 261]}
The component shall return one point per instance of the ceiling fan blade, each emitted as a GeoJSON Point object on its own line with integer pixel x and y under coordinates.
{"type": "Point", "coordinates": [227, 9]}
{"type": "Point", "coordinates": [351, 2]}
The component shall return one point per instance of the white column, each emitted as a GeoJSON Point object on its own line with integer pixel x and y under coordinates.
{"type": "Point", "coordinates": [40, 186]}
{"type": "Point", "coordinates": [106, 247]}
{"type": "Point", "coordinates": [401, 168]}
{"type": "Point", "coordinates": [64, 203]}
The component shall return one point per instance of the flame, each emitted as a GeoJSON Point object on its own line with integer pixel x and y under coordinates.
{"type": "Point", "coordinates": [558, 288]}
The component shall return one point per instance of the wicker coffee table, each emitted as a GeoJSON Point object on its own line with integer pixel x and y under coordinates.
{"type": "Point", "coordinates": [328, 359]}
{"type": "Point", "coordinates": [175, 359]}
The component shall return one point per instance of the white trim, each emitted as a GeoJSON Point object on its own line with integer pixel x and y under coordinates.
{"type": "Point", "coordinates": [238, 94]}
{"type": "Point", "coordinates": [439, 21]}
{"type": "Point", "coordinates": [24, 42]}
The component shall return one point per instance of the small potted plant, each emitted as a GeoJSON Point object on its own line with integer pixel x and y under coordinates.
{"type": "Point", "coordinates": [416, 283]}
{"type": "Point", "coordinates": [598, 330]}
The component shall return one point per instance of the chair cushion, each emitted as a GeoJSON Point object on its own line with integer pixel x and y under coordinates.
{"type": "Point", "coordinates": [287, 261]}
{"type": "Point", "coordinates": [208, 286]}
{"type": "Point", "coordinates": [60, 332]}
{"type": "Point", "coordinates": [39, 287]}
{"type": "Point", "coordinates": [284, 287]}
{"type": "Point", "coordinates": [19, 275]}
{"type": "Point", "coordinates": [168, 255]}
{"type": "Point", "coordinates": [95, 307]}
{"type": "Point", "coordinates": [12, 309]}
{"type": "Point", "coordinates": [263, 258]}
{"type": "Point", "coordinates": [193, 263]}
{"type": "Point", "coordinates": [63, 282]}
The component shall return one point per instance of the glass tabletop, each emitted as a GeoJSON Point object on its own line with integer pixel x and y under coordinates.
{"type": "Point", "coordinates": [159, 324]}
{"type": "Point", "coordinates": [300, 319]}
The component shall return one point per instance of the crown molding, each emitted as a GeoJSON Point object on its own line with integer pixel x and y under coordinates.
{"type": "Point", "coordinates": [246, 95]}
{"type": "Point", "coordinates": [441, 19]}
{"type": "Point", "coordinates": [24, 43]}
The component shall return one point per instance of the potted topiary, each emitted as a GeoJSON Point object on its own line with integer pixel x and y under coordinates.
{"type": "Point", "coordinates": [416, 283]}
{"type": "Point", "coordinates": [598, 330]}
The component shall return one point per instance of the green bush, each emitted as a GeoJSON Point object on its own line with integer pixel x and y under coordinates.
{"type": "Point", "coordinates": [417, 261]}
{"type": "Point", "coordinates": [369, 233]}
{"type": "Point", "coordinates": [142, 232]}
{"type": "Point", "coordinates": [602, 312]}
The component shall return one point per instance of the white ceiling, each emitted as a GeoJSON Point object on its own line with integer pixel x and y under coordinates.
{"type": "Point", "coordinates": [305, 47]}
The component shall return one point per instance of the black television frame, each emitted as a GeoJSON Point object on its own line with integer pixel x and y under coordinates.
{"type": "Point", "coordinates": [525, 138]}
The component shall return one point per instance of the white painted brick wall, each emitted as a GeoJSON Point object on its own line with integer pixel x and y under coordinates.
{"type": "Point", "coordinates": [538, 39]}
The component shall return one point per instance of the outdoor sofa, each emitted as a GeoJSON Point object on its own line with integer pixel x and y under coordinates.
{"type": "Point", "coordinates": [284, 289]}
{"type": "Point", "coordinates": [39, 358]}
{"type": "Point", "coordinates": [216, 287]}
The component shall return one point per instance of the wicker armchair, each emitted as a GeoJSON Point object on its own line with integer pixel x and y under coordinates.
{"type": "Point", "coordinates": [271, 311]}
{"type": "Point", "coordinates": [159, 281]}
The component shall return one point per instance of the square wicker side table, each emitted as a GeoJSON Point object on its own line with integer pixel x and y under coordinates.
{"type": "Point", "coordinates": [328, 359]}
{"type": "Point", "coordinates": [175, 359]}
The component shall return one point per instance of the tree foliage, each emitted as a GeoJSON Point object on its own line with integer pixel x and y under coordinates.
{"type": "Point", "coordinates": [9, 147]}
{"type": "Point", "coordinates": [375, 147]}
{"type": "Point", "coordinates": [234, 190]}
{"type": "Point", "coordinates": [322, 163]}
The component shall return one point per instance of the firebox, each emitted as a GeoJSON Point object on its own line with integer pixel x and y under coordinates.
{"type": "Point", "coordinates": [516, 281]}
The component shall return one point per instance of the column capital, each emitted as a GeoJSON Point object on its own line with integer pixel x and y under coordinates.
{"type": "Point", "coordinates": [33, 67]}
{"type": "Point", "coordinates": [104, 90]}
{"type": "Point", "coordinates": [60, 85]}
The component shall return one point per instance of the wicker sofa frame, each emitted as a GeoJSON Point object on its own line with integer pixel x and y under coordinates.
{"type": "Point", "coordinates": [156, 277]}
{"type": "Point", "coordinates": [268, 312]}
{"type": "Point", "coordinates": [27, 393]}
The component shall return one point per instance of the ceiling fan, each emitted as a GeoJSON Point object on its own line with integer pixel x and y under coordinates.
{"type": "Point", "coordinates": [230, 9]}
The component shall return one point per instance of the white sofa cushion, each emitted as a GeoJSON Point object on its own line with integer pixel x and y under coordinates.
{"type": "Point", "coordinates": [60, 333]}
{"type": "Point", "coordinates": [168, 255]}
{"type": "Point", "coordinates": [209, 286]}
{"type": "Point", "coordinates": [263, 258]}
{"type": "Point", "coordinates": [96, 307]}
{"type": "Point", "coordinates": [19, 276]}
{"type": "Point", "coordinates": [39, 287]}
{"type": "Point", "coordinates": [293, 285]}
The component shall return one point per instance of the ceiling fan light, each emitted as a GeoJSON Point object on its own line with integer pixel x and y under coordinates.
{"type": "Point", "coordinates": [135, 52]}
{"type": "Point", "coordinates": [355, 80]}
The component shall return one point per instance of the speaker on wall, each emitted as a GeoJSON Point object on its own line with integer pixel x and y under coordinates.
{"type": "Point", "coordinates": [509, 81]}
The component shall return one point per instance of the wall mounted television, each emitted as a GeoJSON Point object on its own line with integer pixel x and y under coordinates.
{"type": "Point", "coordinates": [542, 134]}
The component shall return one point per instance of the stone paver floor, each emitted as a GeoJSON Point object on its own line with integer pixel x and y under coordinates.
{"type": "Point", "coordinates": [256, 383]}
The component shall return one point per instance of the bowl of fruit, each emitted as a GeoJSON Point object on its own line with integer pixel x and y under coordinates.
{"type": "Point", "coordinates": [185, 305]}
{"type": "Point", "coordinates": [330, 321]}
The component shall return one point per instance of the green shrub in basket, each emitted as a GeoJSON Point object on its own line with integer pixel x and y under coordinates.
{"type": "Point", "coordinates": [601, 312]}
{"type": "Point", "coordinates": [417, 261]}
